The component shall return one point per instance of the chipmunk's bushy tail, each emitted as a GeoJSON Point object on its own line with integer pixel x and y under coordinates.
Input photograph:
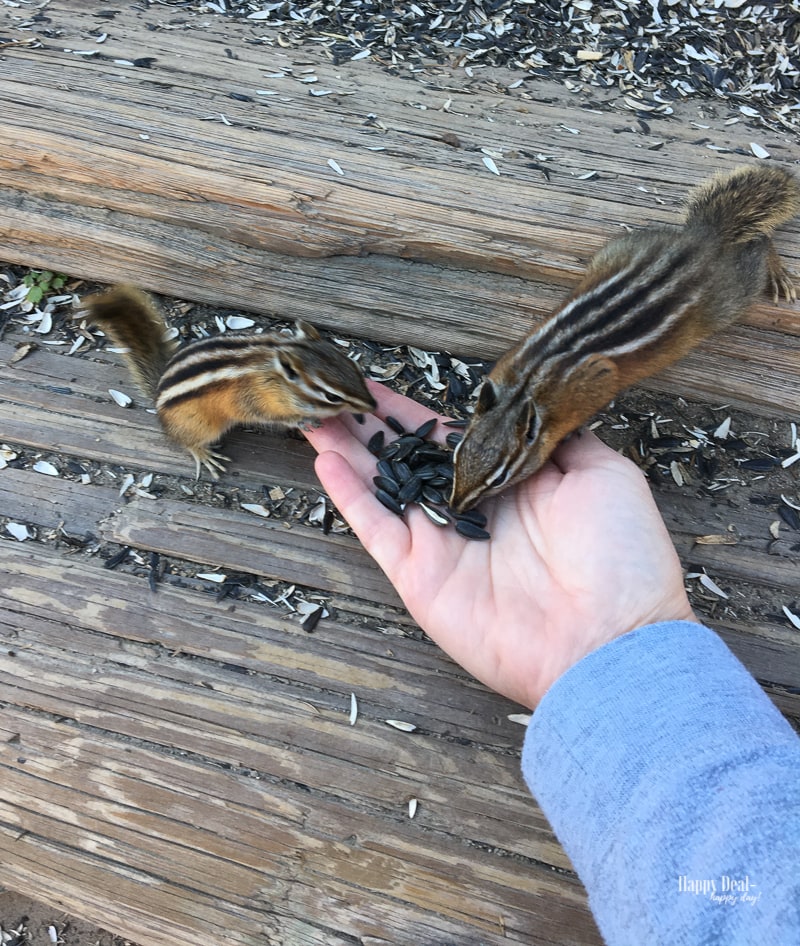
{"type": "Point", "coordinates": [744, 204]}
{"type": "Point", "coordinates": [130, 320]}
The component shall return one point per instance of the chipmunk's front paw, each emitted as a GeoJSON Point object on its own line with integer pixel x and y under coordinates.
{"type": "Point", "coordinates": [309, 423]}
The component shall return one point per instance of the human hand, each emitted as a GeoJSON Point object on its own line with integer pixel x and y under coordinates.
{"type": "Point", "coordinates": [579, 555]}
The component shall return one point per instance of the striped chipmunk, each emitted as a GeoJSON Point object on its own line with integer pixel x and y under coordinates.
{"type": "Point", "coordinates": [205, 388]}
{"type": "Point", "coordinates": [647, 298]}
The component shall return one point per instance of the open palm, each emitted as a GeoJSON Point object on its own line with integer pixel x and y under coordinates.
{"type": "Point", "coordinates": [579, 555]}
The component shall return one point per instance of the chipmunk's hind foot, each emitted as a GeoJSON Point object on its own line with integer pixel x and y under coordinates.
{"type": "Point", "coordinates": [779, 282]}
{"type": "Point", "coordinates": [214, 462]}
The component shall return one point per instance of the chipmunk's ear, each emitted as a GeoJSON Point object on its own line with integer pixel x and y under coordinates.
{"type": "Point", "coordinates": [288, 364]}
{"type": "Point", "coordinates": [488, 396]}
{"type": "Point", "coordinates": [305, 330]}
{"type": "Point", "coordinates": [529, 422]}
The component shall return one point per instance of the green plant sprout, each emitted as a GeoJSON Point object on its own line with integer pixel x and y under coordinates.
{"type": "Point", "coordinates": [41, 282]}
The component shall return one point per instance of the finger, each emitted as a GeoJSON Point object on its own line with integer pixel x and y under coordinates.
{"type": "Point", "coordinates": [333, 433]}
{"type": "Point", "coordinates": [382, 533]}
{"type": "Point", "coordinates": [583, 451]}
{"type": "Point", "coordinates": [338, 435]}
{"type": "Point", "coordinates": [408, 412]}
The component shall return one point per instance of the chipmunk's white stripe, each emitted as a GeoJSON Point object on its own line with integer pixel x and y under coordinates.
{"type": "Point", "coordinates": [658, 330]}
{"type": "Point", "coordinates": [643, 332]}
{"type": "Point", "coordinates": [593, 323]}
{"type": "Point", "coordinates": [198, 352]}
{"type": "Point", "coordinates": [558, 332]}
{"type": "Point", "coordinates": [565, 321]}
{"type": "Point", "coordinates": [203, 380]}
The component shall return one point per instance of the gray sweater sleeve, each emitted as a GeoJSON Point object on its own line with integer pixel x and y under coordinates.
{"type": "Point", "coordinates": [673, 784]}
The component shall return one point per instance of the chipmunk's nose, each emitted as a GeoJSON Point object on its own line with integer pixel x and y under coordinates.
{"type": "Point", "coordinates": [461, 495]}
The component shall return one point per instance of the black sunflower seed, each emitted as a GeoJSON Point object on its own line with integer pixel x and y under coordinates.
{"type": "Point", "coordinates": [401, 471]}
{"type": "Point", "coordinates": [474, 516]}
{"type": "Point", "coordinates": [470, 531]}
{"type": "Point", "coordinates": [389, 501]}
{"type": "Point", "coordinates": [395, 424]}
{"type": "Point", "coordinates": [432, 494]}
{"type": "Point", "coordinates": [424, 429]}
{"type": "Point", "coordinates": [736, 444]}
{"type": "Point", "coordinates": [428, 449]}
{"type": "Point", "coordinates": [426, 472]}
{"type": "Point", "coordinates": [385, 469]}
{"type": "Point", "coordinates": [459, 423]}
{"type": "Point", "coordinates": [410, 490]}
{"type": "Point", "coordinates": [153, 574]}
{"type": "Point", "coordinates": [666, 443]}
{"type": "Point", "coordinates": [454, 439]}
{"type": "Point", "coordinates": [311, 620]}
{"type": "Point", "coordinates": [387, 485]}
{"type": "Point", "coordinates": [376, 442]}
{"type": "Point", "coordinates": [117, 557]}
{"type": "Point", "coordinates": [790, 517]}
{"type": "Point", "coordinates": [760, 464]}
{"type": "Point", "coordinates": [706, 465]}
{"type": "Point", "coordinates": [406, 446]}
{"type": "Point", "coordinates": [456, 389]}
{"type": "Point", "coordinates": [389, 451]}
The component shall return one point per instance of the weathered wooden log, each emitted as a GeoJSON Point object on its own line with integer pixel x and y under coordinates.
{"type": "Point", "coordinates": [187, 178]}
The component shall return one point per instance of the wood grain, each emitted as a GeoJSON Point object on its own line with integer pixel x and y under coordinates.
{"type": "Point", "coordinates": [129, 755]}
{"type": "Point", "coordinates": [125, 173]}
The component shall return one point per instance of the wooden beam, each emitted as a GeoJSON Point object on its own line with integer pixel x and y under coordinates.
{"type": "Point", "coordinates": [175, 768]}
{"type": "Point", "coordinates": [166, 177]}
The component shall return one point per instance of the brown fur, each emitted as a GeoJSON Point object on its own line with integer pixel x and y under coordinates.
{"type": "Point", "coordinates": [130, 320]}
{"type": "Point", "coordinates": [271, 379]}
{"type": "Point", "coordinates": [726, 260]}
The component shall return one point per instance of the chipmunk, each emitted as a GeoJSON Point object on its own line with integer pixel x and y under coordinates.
{"type": "Point", "coordinates": [208, 386]}
{"type": "Point", "coordinates": [646, 299]}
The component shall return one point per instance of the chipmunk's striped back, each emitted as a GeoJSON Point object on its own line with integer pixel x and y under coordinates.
{"type": "Point", "coordinates": [646, 299]}
{"type": "Point", "coordinates": [621, 313]}
{"type": "Point", "coordinates": [315, 379]}
{"type": "Point", "coordinates": [209, 362]}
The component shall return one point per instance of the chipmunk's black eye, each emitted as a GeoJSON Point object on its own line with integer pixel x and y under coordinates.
{"type": "Point", "coordinates": [501, 477]}
{"type": "Point", "coordinates": [333, 398]}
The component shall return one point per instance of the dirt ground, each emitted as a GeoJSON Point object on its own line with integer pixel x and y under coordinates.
{"type": "Point", "coordinates": [26, 922]}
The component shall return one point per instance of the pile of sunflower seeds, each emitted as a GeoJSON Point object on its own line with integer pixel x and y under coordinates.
{"type": "Point", "coordinates": [670, 49]}
{"type": "Point", "coordinates": [413, 470]}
